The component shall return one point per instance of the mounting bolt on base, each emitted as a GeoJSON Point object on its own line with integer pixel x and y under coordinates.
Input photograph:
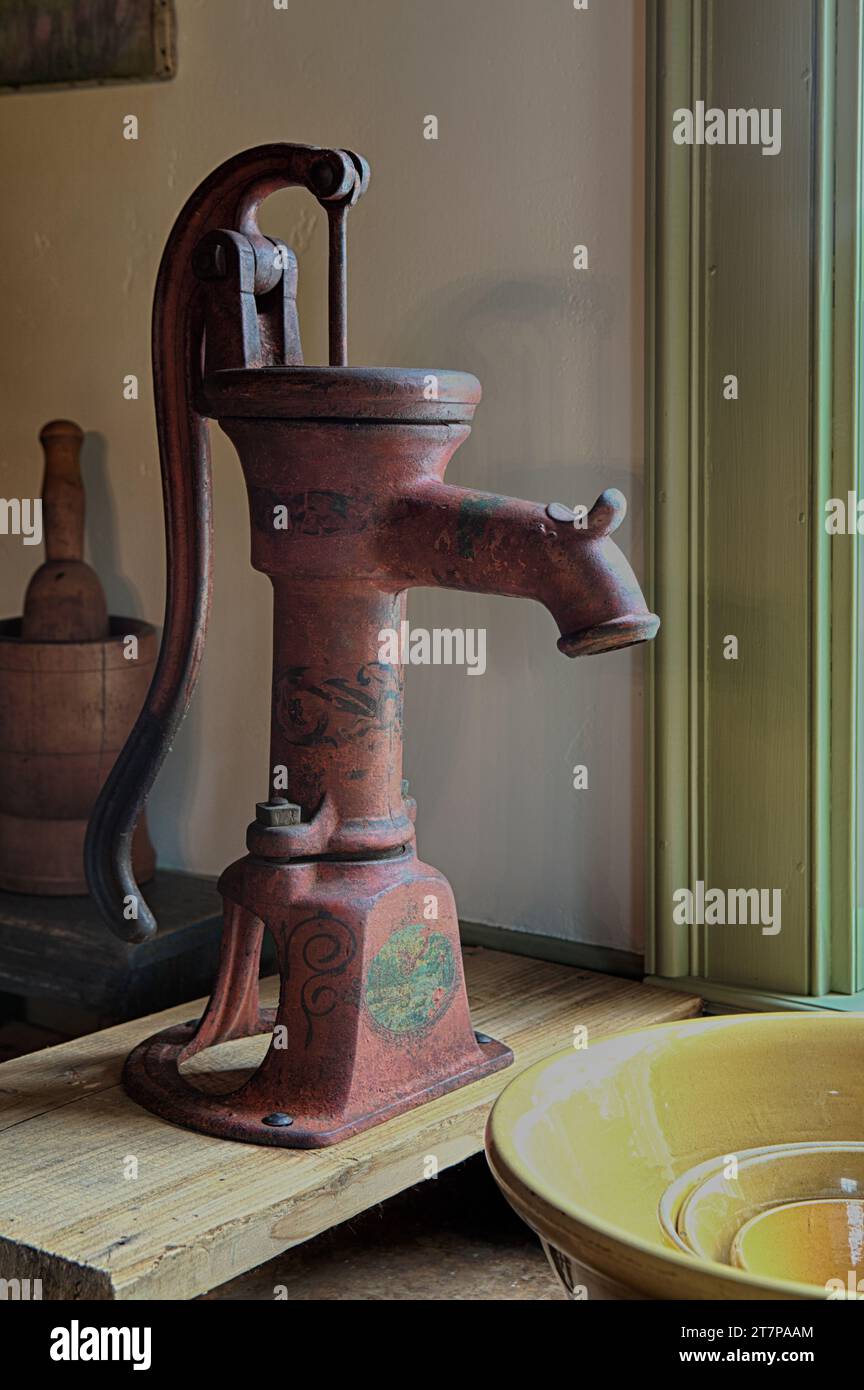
{"type": "Point", "coordinates": [278, 1120]}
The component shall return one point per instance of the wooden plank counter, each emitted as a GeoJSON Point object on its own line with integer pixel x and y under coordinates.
{"type": "Point", "coordinates": [101, 1200]}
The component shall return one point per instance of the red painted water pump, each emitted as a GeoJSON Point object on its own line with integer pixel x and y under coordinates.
{"type": "Point", "coordinates": [349, 509]}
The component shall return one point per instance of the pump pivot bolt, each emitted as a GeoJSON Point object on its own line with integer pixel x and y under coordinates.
{"type": "Point", "coordinates": [323, 178]}
{"type": "Point", "coordinates": [277, 812]}
{"type": "Point", "coordinates": [208, 260]}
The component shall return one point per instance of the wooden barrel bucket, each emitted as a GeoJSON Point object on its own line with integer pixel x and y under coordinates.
{"type": "Point", "coordinates": [66, 709]}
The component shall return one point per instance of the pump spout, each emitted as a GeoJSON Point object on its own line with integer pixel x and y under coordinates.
{"type": "Point", "coordinates": [455, 538]}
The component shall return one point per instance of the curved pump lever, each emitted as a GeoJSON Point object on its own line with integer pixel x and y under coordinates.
{"type": "Point", "coordinates": [228, 199]}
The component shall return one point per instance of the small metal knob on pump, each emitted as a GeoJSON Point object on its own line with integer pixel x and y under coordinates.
{"type": "Point", "coordinates": [277, 812]}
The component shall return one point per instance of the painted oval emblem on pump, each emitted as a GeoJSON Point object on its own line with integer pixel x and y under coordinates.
{"type": "Point", "coordinates": [410, 982]}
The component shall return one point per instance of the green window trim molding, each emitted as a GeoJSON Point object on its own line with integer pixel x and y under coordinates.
{"type": "Point", "coordinates": [754, 269]}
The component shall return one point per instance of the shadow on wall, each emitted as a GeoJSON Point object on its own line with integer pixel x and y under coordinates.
{"type": "Point", "coordinates": [537, 346]}
{"type": "Point", "coordinates": [170, 814]}
{"type": "Point", "coordinates": [101, 529]}
{"type": "Point", "coordinates": [547, 353]}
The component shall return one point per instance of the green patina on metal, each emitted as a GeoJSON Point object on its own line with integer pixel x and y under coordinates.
{"type": "Point", "coordinates": [411, 980]}
{"type": "Point", "coordinates": [474, 513]}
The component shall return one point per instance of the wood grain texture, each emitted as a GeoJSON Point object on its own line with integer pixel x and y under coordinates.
{"type": "Point", "coordinates": [201, 1210]}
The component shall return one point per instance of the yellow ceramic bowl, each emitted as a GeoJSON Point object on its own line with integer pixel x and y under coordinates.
{"type": "Point", "coordinates": [816, 1241]}
{"type": "Point", "coordinates": [587, 1144]}
{"type": "Point", "coordinates": [717, 1206]}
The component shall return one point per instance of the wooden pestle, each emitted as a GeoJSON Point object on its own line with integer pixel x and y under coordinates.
{"type": "Point", "coordinates": [65, 601]}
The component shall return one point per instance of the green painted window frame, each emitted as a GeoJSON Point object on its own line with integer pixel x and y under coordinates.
{"type": "Point", "coordinates": [754, 267]}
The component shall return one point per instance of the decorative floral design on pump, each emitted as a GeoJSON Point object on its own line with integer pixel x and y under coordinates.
{"type": "Point", "coordinates": [411, 980]}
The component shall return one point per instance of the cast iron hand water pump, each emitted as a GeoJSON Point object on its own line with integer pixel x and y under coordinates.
{"type": "Point", "coordinates": [344, 469]}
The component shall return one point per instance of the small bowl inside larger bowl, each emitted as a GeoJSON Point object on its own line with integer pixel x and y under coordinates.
{"type": "Point", "coordinates": [717, 1204]}
{"type": "Point", "coordinates": [817, 1242]}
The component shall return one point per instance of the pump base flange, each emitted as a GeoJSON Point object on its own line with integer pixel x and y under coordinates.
{"type": "Point", "coordinates": [372, 1020]}
{"type": "Point", "coordinates": [152, 1077]}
